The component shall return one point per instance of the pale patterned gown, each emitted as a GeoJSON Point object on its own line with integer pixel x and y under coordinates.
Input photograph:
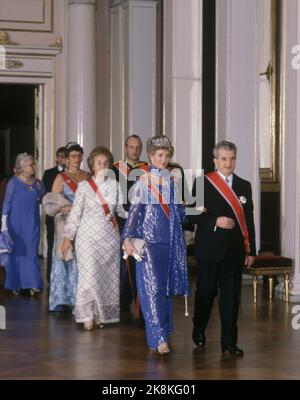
{"type": "Point", "coordinates": [97, 248]}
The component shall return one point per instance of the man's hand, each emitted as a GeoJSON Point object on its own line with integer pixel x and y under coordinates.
{"type": "Point", "coordinates": [249, 260]}
{"type": "Point", "coordinates": [225, 223]}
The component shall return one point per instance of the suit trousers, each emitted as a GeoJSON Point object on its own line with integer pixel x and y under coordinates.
{"type": "Point", "coordinates": [226, 278]}
{"type": "Point", "coordinates": [50, 242]}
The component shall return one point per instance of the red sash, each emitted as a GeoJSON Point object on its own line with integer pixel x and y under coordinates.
{"type": "Point", "coordinates": [102, 201]}
{"type": "Point", "coordinates": [158, 195]}
{"type": "Point", "coordinates": [231, 198]}
{"type": "Point", "coordinates": [72, 184]}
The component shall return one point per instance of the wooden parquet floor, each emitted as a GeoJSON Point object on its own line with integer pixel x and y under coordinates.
{"type": "Point", "coordinates": [42, 345]}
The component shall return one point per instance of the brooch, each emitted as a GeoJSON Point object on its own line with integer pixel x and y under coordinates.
{"type": "Point", "coordinates": [242, 199]}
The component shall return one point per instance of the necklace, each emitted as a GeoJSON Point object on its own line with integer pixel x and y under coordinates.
{"type": "Point", "coordinates": [77, 173]}
{"type": "Point", "coordinates": [28, 180]}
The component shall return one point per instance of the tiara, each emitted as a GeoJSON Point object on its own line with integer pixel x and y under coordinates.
{"type": "Point", "coordinates": [159, 141]}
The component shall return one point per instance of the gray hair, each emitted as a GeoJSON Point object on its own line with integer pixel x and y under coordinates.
{"type": "Point", "coordinates": [20, 160]}
{"type": "Point", "coordinates": [224, 145]}
{"type": "Point", "coordinates": [157, 143]}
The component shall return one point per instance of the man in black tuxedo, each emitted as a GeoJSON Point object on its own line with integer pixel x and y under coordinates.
{"type": "Point", "coordinates": [48, 179]}
{"type": "Point", "coordinates": [225, 241]}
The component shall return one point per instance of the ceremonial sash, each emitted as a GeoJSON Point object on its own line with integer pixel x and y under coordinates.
{"type": "Point", "coordinates": [102, 202]}
{"type": "Point", "coordinates": [228, 194]}
{"type": "Point", "coordinates": [72, 184]}
{"type": "Point", "coordinates": [158, 195]}
{"type": "Point", "coordinates": [123, 168]}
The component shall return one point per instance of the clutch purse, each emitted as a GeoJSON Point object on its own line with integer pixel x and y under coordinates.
{"type": "Point", "coordinates": [139, 245]}
{"type": "Point", "coordinates": [6, 247]}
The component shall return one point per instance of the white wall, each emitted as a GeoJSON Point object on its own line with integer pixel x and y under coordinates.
{"type": "Point", "coordinates": [237, 88]}
{"type": "Point", "coordinates": [290, 167]}
{"type": "Point", "coordinates": [182, 94]}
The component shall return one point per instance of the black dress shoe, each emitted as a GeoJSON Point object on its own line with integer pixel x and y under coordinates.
{"type": "Point", "coordinates": [233, 350]}
{"type": "Point", "coordinates": [198, 338]}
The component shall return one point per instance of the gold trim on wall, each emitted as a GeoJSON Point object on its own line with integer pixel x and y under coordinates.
{"type": "Point", "coordinates": [271, 175]}
{"type": "Point", "coordinates": [58, 42]}
{"type": "Point", "coordinates": [5, 40]}
{"type": "Point", "coordinates": [36, 125]}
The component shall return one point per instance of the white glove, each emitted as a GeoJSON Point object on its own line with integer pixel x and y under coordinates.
{"type": "Point", "coordinates": [4, 223]}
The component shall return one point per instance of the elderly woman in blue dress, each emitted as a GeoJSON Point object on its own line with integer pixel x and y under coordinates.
{"type": "Point", "coordinates": [21, 227]}
{"type": "Point", "coordinates": [156, 216]}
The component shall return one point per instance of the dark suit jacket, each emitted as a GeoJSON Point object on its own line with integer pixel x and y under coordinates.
{"type": "Point", "coordinates": [48, 179]}
{"type": "Point", "coordinates": [223, 244]}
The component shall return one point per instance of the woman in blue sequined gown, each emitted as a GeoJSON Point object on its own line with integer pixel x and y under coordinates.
{"type": "Point", "coordinates": [156, 216]}
{"type": "Point", "coordinates": [21, 223]}
{"type": "Point", "coordinates": [63, 279]}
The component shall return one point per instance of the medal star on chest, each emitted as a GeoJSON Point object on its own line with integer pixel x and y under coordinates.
{"type": "Point", "coordinates": [242, 200]}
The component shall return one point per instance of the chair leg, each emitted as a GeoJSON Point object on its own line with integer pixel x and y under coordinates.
{"type": "Point", "coordinates": [254, 289]}
{"type": "Point", "coordinates": [271, 280]}
{"type": "Point", "coordinates": [286, 284]}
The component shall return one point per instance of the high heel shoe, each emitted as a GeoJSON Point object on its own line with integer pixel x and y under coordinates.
{"type": "Point", "coordinates": [33, 292]}
{"type": "Point", "coordinates": [88, 325]}
{"type": "Point", "coordinates": [98, 324]}
{"type": "Point", "coordinates": [163, 349]}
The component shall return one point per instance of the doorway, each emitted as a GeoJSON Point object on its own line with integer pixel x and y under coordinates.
{"type": "Point", "coordinates": [17, 124]}
{"type": "Point", "coordinates": [208, 84]}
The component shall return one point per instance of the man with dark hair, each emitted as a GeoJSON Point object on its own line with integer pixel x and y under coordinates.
{"type": "Point", "coordinates": [122, 169]}
{"type": "Point", "coordinates": [225, 241]}
{"type": "Point", "coordinates": [48, 179]}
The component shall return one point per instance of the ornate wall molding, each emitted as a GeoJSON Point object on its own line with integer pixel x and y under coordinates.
{"type": "Point", "coordinates": [13, 64]}
{"type": "Point", "coordinates": [125, 3]}
{"type": "Point", "coordinates": [27, 15]}
{"type": "Point", "coordinates": [91, 2]}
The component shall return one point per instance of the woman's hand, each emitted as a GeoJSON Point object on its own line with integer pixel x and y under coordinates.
{"type": "Point", "coordinates": [128, 247]}
{"type": "Point", "coordinates": [65, 210]}
{"type": "Point", "coordinates": [66, 246]}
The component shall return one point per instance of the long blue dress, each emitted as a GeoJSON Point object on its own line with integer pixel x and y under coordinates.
{"type": "Point", "coordinates": [63, 278]}
{"type": "Point", "coordinates": [21, 205]}
{"type": "Point", "coordinates": [162, 272]}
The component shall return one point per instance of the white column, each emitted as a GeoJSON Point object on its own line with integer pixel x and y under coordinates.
{"type": "Point", "coordinates": [81, 106]}
{"type": "Point", "coordinates": [133, 71]}
{"type": "Point", "coordinates": [290, 193]}
{"type": "Point", "coordinates": [237, 94]}
{"type": "Point", "coordinates": [182, 91]}
{"type": "Point", "coordinates": [117, 79]}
